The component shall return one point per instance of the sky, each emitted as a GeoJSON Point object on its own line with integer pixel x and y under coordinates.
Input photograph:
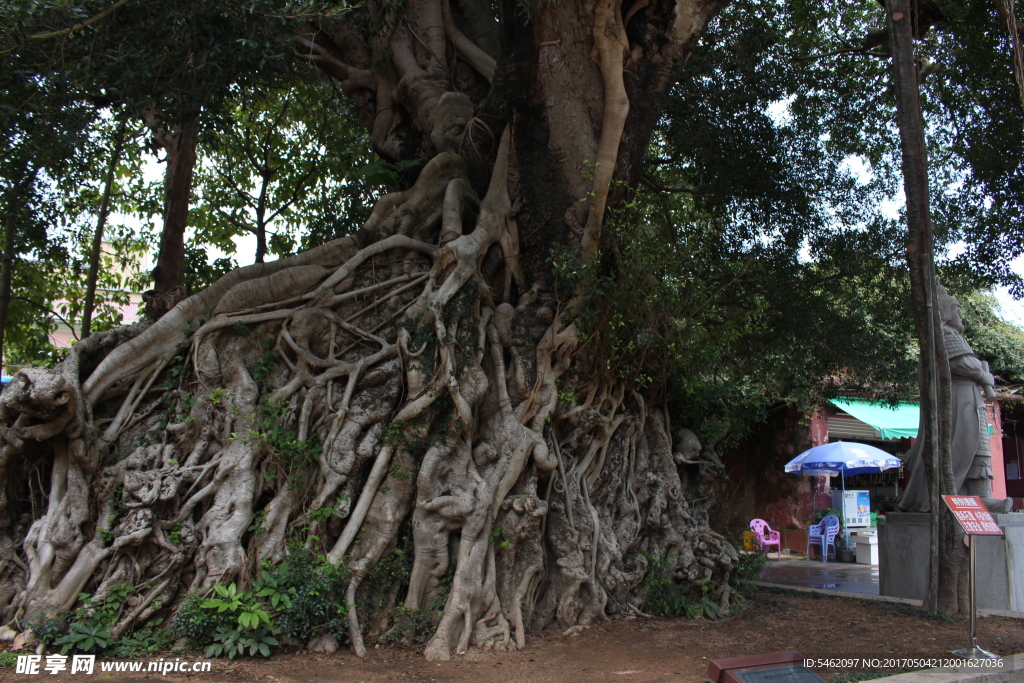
{"type": "Point", "coordinates": [1010, 309]}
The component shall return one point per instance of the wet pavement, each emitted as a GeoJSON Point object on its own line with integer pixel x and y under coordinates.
{"type": "Point", "coordinates": [844, 577]}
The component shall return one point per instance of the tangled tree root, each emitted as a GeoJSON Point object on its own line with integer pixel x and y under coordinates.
{"type": "Point", "coordinates": [386, 377]}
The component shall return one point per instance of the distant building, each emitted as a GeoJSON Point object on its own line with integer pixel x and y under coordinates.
{"type": "Point", "coordinates": [63, 336]}
{"type": "Point", "coordinates": [758, 486]}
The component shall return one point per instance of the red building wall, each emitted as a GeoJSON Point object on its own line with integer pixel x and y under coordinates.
{"type": "Point", "coordinates": [758, 486]}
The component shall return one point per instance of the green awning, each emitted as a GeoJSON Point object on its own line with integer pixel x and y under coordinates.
{"type": "Point", "coordinates": [893, 423]}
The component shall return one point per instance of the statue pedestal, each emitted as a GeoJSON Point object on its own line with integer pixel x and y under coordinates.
{"type": "Point", "coordinates": [903, 560]}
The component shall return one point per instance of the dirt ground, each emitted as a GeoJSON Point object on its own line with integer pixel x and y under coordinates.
{"type": "Point", "coordinates": [637, 650]}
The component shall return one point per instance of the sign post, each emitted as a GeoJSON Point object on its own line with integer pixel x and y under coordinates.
{"type": "Point", "coordinates": [975, 520]}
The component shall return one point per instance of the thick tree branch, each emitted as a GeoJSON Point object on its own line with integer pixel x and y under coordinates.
{"type": "Point", "coordinates": [610, 44]}
{"type": "Point", "coordinates": [467, 49]}
{"type": "Point", "coordinates": [68, 31]}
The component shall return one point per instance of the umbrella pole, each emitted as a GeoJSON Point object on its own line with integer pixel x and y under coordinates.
{"type": "Point", "coordinates": [842, 509]}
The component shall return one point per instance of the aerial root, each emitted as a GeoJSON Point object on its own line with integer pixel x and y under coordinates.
{"type": "Point", "coordinates": [375, 385]}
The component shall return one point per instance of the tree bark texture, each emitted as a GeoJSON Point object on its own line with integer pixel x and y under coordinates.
{"type": "Point", "coordinates": [948, 576]}
{"type": "Point", "coordinates": [179, 143]}
{"type": "Point", "coordinates": [424, 360]}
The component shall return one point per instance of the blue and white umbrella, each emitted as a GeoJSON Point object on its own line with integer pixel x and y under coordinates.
{"type": "Point", "coordinates": [841, 458]}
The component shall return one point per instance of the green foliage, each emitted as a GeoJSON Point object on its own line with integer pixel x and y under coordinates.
{"type": "Point", "coordinates": [393, 434]}
{"type": "Point", "coordinates": [271, 587]}
{"type": "Point", "coordinates": [751, 565]}
{"type": "Point", "coordinates": [150, 639]}
{"type": "Point", "coordinates": [235, 641]}
{"type": "Point", "coordinates": [88, 629]}
{"type": "Point", "coordinates": [286, 157]}
{"type": "Point", "coordinates": [294, 456]}
{"type": "Point", "coordinates": [322, 514]}
{"type": "Point", "coordinates": [298, 598]}
{"type": "Point", "coordinates": [667, 597]}
{"type": "Point", "coordinates": [186, 403]}
{"type": "Point", "coordinates": [265, 364]}
{"type": "Point", "coordinates": [200, 272]}
{"type": "Point", "coordinates": [49, 629]}
{"type": "Point", "coordinates": [316, 590]}
{"type": "Point", "coordinates": [85, 636]}
{"type": "Point", "coordinates": [708, 607]}
{"type": "Point", "coordinates": [397, 472]}
{"type": "Point", "coordinates": [8, 660]}
{"type": "Point", "coordinates": [242, 604]}
{"type": "Point", "coordinates": [723, 326]}
{"type": "Point", "coordinates": [417, 625]}
{"type": "Point", "coordinates": [394, 175]}
{"type": "Point", "coordinates": [197, 624]}
{"type": "Point", "coordinates": [414, 624]}
{"type": "Point", "coordinates": [51, 161]}
{"type": "Point", "coordinates": [769, 272]}
{"type": "Point", "coordinates": [993, 339]}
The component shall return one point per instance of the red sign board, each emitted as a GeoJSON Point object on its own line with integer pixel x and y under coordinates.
{"type": "Point", "coordinates": [972, 515]}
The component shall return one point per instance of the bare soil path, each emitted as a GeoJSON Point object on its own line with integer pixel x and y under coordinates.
{"type": "Point", "coordinates": [632, 651]}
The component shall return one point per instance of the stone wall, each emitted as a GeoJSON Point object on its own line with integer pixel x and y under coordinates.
{"type": "Point", "coordinates": [903, 560]}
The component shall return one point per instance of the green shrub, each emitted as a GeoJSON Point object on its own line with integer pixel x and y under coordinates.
{"type": "Point", "coordinates": [418, 625]}
{"type": "Point", "coordinates": [317, 592]}
{"type": "Point", "coordinates": [667, 597]}
{"type": "Point", "coordinates": [8, 660]}
{"type": "Point", "coordinates": [749, 568]}
{"type": "Point", "coordinates": [146, 641]}
{"type": "Point", "coordinates": [89, 627]}
{"type": "Point", "coordinates": [196, 624]}
{"type": "Point", "coordinates": [300, 597]}
{"type": "Point", "coordinates": [49, 629]}
{"type": "Point", "coordinates": [235, 641]}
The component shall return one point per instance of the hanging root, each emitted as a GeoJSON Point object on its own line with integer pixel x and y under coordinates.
{"type": "Point", "coordinates": [382, 377]}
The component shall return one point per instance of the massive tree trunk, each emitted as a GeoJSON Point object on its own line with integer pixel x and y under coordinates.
{"type": "Point", "coordinates": [425, 368]}
{"type": "Point", "coordinates": [179, 142]}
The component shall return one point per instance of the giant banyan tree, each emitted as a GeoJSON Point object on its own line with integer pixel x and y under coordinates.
{"type": "Point", "coordinates": [421, 377]}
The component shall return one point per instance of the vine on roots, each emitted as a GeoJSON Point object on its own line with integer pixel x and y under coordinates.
{"type": "Point", "coordinates": [374, 424]}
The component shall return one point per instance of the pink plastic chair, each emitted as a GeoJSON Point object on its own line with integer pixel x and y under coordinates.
{"type": "Point", "coordinates": [765, 537]}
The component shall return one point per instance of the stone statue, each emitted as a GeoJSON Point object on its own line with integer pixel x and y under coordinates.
{"type": "Point", "coordinates": [969, 440]}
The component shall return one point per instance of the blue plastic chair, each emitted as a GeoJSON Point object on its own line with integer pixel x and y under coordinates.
{"type": "Point", "coordinates": [823, 534]}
